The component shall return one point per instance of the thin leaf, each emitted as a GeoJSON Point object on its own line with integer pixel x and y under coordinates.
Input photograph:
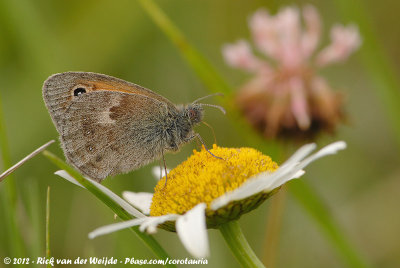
{"type": "Point", "coordinates": [115, 207]}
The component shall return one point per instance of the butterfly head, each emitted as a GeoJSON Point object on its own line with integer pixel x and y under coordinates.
{"type": "Point", "coordinates": [194, 112]}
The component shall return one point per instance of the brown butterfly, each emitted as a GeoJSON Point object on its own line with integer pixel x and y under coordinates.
{"type": "Point", "coordinates": [108, 126]}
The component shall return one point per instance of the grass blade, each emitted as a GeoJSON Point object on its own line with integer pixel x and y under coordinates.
{"type": "Point", "coordinates": [26, 158]}
{"type": "Point", "coordinates": [117, 209]}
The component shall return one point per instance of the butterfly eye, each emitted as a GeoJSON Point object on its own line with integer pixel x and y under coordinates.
{"type": "Point", "coordinates": [192, 114]}
{"type": "Point", "coordinates": [79, 91]}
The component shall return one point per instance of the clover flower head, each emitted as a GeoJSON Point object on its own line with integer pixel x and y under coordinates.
{"type": "Point", "coordinates": [286, 97]}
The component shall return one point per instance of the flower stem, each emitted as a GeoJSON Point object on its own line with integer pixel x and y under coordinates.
{"type": "Point", "coordinates": [273, 228]}
{"type": "Point", "coordinates": [238, 244]}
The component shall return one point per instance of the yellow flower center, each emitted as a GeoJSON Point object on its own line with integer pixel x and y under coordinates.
{"type": "Point", "coordinates": [202, 178]}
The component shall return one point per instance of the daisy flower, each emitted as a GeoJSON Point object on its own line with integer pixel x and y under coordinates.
{"type": "Point", "coordinates": [205, 192]}
{"type": "Point", "coordinates": [286, 97]}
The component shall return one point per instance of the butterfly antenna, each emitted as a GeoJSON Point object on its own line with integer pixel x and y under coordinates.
{"type": "Point", "coordinates": [215, 138]}
{"type": "Point", "coordinates": [215, 106]}
{"type": "Point", "coordinates": [211, 95]}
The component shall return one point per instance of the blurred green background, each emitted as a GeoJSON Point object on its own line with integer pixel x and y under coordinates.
{"type": "Point", "coordinates": [39, 38]}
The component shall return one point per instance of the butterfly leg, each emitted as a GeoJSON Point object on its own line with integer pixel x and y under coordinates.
{"type": "Point", "coordinates": [160, 165]}
{"type": "Point", "coordinates": [197, 135]}
{"type": "Point", "coordinates": [165, 168]}
{"type": "Point", "coordinates": [213, 132]}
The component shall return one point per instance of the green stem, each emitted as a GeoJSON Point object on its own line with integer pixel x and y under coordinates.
{"type": "Point", "coordinates": [238, 244]}
{"type": "Point", "coordinates": [273, 228]}
{"type": "Point", "coordinates": [117, 209]}
{"type": "Point", "coordinates": [34, 207]}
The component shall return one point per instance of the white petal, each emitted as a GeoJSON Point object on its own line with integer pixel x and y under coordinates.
{"type": "Point", "coordinates": [125, 205]}
{"type": "Point", "coordinates": [267, 181]}
{"type": "Point", "coordinates": [151, 223]}
{"type": "Point", "coordinates": [300, 154]}
{"type": "Point", "coordinates": [332, 148]}
{"type": "Point", "coordinates": [298, 174]}
{"type": "Point", "coordinates": [156, 171]}
{"type": "Point", "coordinates": [257, 184]}
{"type": "Point", "coordinates": [115, 227]}
{"type": "Point", "coordinates": [238, 194]}
{"type": "Point", "coordinates": [292, 172]}
{"type": "Point", "coordinates": [148, 224]}
{"type": "Point", "coordinates": [140, 200]}
{"type": "Point", "coordinates": [192, 231]}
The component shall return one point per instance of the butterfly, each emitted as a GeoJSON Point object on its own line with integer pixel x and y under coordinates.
{"type": "Point", "coordinates": [109, 126]}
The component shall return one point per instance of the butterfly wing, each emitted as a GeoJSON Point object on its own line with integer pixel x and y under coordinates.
{"type": "Point", "coordinates": [106, 132]}
{"type": "Point", "coordinates": [60, 89]}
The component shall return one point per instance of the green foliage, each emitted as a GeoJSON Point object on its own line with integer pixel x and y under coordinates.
{"type": "Point", "coordinates": [39, 38]}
